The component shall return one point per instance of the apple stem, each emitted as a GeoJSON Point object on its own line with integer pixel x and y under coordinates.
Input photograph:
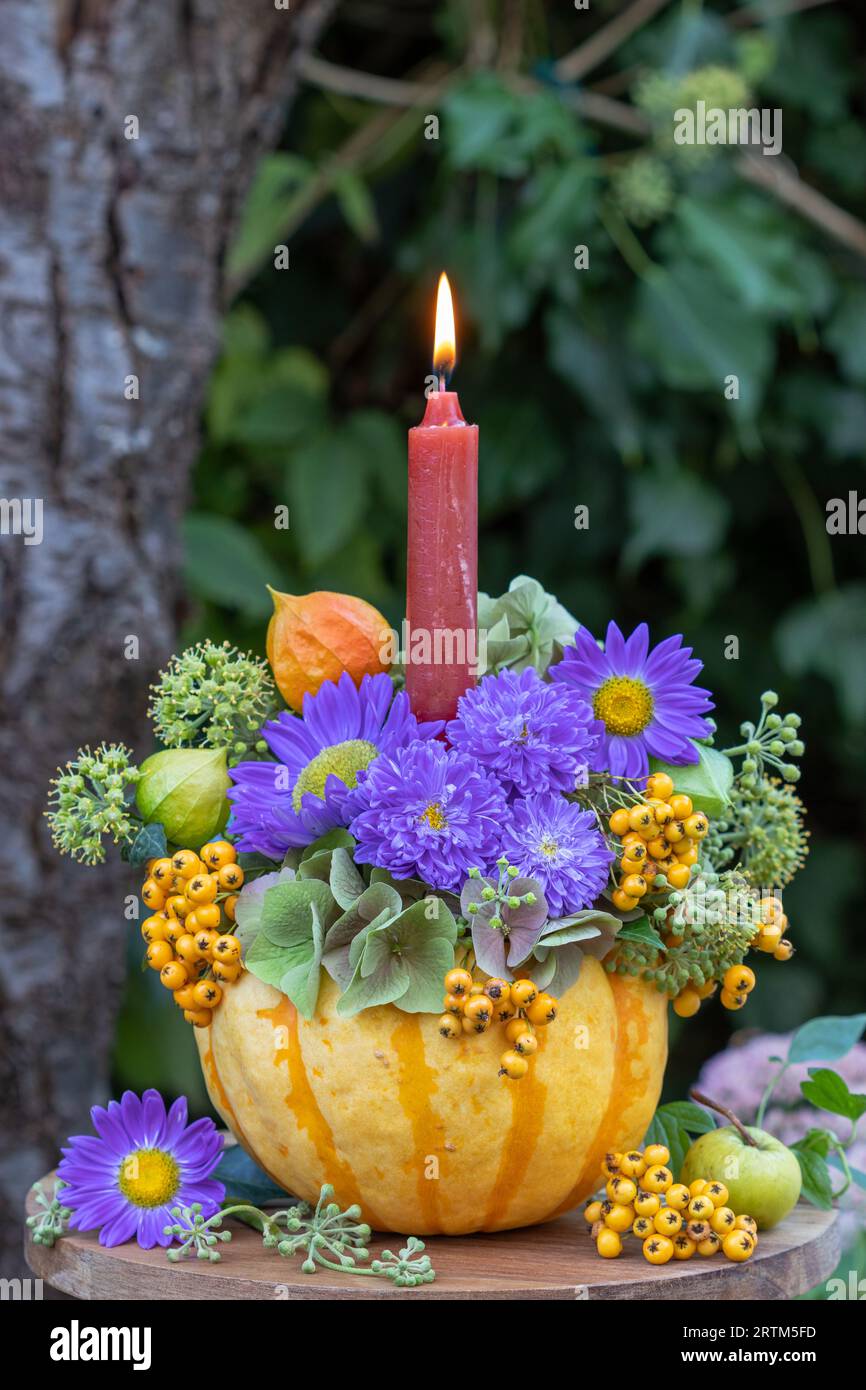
{"type": "Point", "coordinates": [701, 1099]}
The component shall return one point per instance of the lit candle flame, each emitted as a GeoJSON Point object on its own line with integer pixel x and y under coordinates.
{"type": "Point", "coordinates": [445, 342]}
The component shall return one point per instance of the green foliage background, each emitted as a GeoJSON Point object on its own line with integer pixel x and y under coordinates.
{"type": "Point", "coordinates": [602, 386]}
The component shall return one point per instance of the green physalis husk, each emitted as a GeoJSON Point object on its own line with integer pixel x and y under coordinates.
{"type": "Point", "coordinates": [184, 789]}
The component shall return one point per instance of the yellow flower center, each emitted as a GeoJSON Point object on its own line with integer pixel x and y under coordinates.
{"type": "Point", "coordinates": [434, 816]}
{"type": "Point", "coordinates": [625, 705]}
{"type": "Point", "coordinates": [149, 1177]}
{"type": "Point", "coordinates": [343, 760]}
{"type": "Point", "coordinates": [549, 847]}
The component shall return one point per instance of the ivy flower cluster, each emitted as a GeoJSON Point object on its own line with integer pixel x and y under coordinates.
{"type": "Point", "coordinates": [214, 696]}
{"type": "Point", "coordinates": [88, 801]}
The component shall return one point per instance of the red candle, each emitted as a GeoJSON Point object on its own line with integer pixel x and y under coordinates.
{"type": "Point", "coordinates": [440, 643]}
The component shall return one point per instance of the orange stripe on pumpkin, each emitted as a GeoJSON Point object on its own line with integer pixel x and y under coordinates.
{"type": "Point", "coordinates": [416, 1085]}
{"type": "Point", "coordinates": [624, 1086]}
{"type": "Point", "coordinates": [528, 1098]}
{"type": "Point", "coordinates": [304, 1106]}
{"type": "Point", "coordinates": [212, 1073]}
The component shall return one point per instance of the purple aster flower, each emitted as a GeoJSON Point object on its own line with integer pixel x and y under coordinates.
{"type": "Point", "coordinates": [645, 699]}
{"type": "Point", "coordinates": [320, 758]}
{"type": "Point", "coordinates": [428, 812]}
{"type": "Point", "coordinates": [553, 840]}
{"type": "Point", "coordinates": [144, 1162]}
{"type": "Point", "coordinates": [535, 737]}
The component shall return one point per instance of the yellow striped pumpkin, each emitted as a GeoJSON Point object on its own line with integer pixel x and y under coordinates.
{"type": "Point", "coordinates": [420, 1130]}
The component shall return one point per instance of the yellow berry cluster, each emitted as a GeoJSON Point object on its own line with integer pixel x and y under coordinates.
{"type": "Point", "coordinates": [658, 835]}
{"type": "Point", "coordinates": [192, 899]}
{"type": "Point", "coordinates": [472, 1007]}
{"type": "Point", "coordinates": [770, 931]}
{"type": "Point", "coordinates": [672, 1221]}
{"type": "Point", "coordinates": [738, 981]}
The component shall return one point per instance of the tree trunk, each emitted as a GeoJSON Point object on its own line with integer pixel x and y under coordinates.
{"type": "Point", "coordinates": [128, 135]}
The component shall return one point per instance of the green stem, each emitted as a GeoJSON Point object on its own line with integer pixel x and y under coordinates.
{"type": "Point", "coordinates": [840, 1150]}
{"type": "Point", "coordinates": [765, 1098]}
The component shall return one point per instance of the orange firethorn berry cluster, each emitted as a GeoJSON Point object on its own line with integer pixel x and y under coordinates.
{"type": "Point", "coordinates": [192, 899]}
{"type": "Point", "coordinates": [658, 836]}
{"type": "Point", "coordinates": [672, 1221]}
{"type": "Point", "coordinates": [472, 1007]}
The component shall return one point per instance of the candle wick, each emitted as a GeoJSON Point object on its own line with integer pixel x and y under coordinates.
{"type": "Point", "coordinates": [442, 386]}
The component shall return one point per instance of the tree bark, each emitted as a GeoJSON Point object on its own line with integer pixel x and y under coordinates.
{"type": "Point", "coordinates": [112, 243]}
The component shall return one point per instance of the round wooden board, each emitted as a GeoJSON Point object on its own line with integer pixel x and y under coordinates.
{"type": "Point", "coordinates": [556, 1261]}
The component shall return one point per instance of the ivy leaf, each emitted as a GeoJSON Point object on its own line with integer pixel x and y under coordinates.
{"type": "Point", "coordinates": [666, 1129]}
{"type": "Point", "coordinates": [704, 515]}
{"type": "Point", "coordinates": [690, 1117]}
{"type": "Point", "coordinates": [708, 780]}
{"type": "Point", "coordinates": [245, 1181]}
{"type": "Point", "coordinates": [817, 1187]}
{"type": "Point", "coordinates": [827, 1090]}
{"type": "Point", "coordinates": [641, 931]}
{"type": "Point", "coordinates": [817, 1141]}
{"type": "Point", "coordinates": [225, 563]}
{"type": "Point", "coordinates": [825, 635]}
{"type": "Point", "coordinates": [826, 1039]}
{"type": "Point", "coordinates": [149, 843]}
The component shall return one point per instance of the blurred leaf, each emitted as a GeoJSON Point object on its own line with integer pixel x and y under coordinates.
{"type": "Point", "coordinates": [753, 247]}
{"type": "Point", "coordinates": [812, 73]}
{"type": "Point", "coordinates": [245, 1181]}
{"type": "Point", "coordinates": [827, 635]}
{"type": "Point", "coordinates": [846, 332]}
{"type": "Point", "coordinates": [594, 368]}
{"type": "Point", "coordinates": [477, 116]}
{"type": "Point", "coordinates": [826, 1039]}
{"type": "Point", "coordinates": [689, 326]}
{"type": "Point", "coordinates": [817, 1187]}
{"type": "Point", "coordinates": [225, 563]}
{"type": "Point", "coordinates": [267, 210]}
{"type": "Point", "coordinates": [702, 517]}
{"type": "Point", "coordinates": [356, 204]}
{"type": "Point", "coordinates": [829, 1091]}
{"type": "Point", "coordinates": [326, 487]}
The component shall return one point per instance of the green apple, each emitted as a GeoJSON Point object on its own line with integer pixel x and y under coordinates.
{"type": "Point", "coordinates": [762, 1180]}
